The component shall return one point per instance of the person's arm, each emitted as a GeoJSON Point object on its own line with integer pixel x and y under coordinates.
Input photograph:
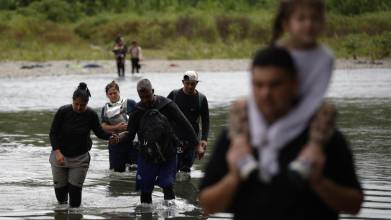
{"type": "Point", "coordinates": [55, 129]}
{"type": "Point", "coordinates": [183, 127]}
{"type": "Point", "coordinates": [340, 198]}
{"type": "Point", "coordinates": [120, 127]}
{"type": "Point", "coordinates": [341, 191]}
{"type": "Point", "coordinates": [218, 197]}
{"type": "Point", "coordinates": [54, 134]}
{"type": "Point", "coordinates": [111, 128]}
{"type": "Point", "coordinates": [132, 124]}
{"type": "Point", "coordinates": [97, 128]}
{"type": "Point", "coordinates": [222, 177]}
{"type": "Point", "coordinates": [204, 120]}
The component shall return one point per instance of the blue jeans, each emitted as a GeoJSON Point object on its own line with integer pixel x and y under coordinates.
{"type": "Point", "coordinates": [151, 174]}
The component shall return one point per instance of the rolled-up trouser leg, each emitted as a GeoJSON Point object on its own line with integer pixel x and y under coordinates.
{"type": "Point", "coordinates": [74, 195]}
{"type": "Point", "coordinates": [168, 193]}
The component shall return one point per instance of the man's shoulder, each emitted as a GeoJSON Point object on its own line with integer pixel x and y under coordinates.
{"type": "Point", "coordinates": [201, 95]}
{"type": "Point", "coordinates": [162, 101]}
{"type": "Point", "coordinates": [174, 93]}
{"type": "Point", "coordinates": [63, 110]}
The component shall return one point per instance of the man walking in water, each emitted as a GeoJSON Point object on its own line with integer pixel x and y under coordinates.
{"type": "Point", "coordinates": [157, 122]}
{"type": "Point", "coordinates": [194, 106]}
{"type": "Point", "coordinates": [250, 175]}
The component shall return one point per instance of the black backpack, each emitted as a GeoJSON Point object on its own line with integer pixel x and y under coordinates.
{"type": "Point", "coordinates": [156, 136]}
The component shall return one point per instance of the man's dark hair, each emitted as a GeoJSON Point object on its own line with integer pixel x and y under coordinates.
{"type": "Point", "coordinates": [275, 57]}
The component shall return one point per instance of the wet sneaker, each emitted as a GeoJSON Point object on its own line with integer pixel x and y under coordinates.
{"type": "Point", "coordinates": [183, 176]}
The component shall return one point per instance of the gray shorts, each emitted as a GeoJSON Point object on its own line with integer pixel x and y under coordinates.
{"type": "Point", "coordinates": [74, 170]}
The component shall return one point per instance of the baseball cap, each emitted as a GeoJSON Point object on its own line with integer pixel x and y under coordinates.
{"type": "Point", "coordinates": [190, 75]}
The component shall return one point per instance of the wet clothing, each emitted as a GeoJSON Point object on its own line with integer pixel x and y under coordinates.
{"type": "Point", "coordinates": [150, 174]}
{"type": "Point", "coordinates": [74, 170]}
{"type": "Point", "coordinates": [181, 126]}
{"type": "Point", "coordinates": [135, 56]}
{"type": "Point", "coordinates": [70, 131]}
{"type": "Point", "coordinates": [69, 178]}
{"type": "Point", "coordinates": [124, 152]}
{"type": "Point", "coordinates": [281, 198]}
{"type": "Point", "coordinates": [120, 54]}
{"type": "Point", "coordinates": [164, 173]}
{"type": "Point", "coordinates": [193, 107]}
{"type": "Point", "coordinates": [135, 65]}
{"type": "Point", "coordinates": [121, 68]}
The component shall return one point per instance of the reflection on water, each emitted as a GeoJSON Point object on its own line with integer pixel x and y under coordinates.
{"type": "Point", "coordinates": [25, 177]}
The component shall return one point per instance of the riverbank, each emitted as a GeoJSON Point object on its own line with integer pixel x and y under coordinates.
{"type": "Point", "coordinates": [69, 67]}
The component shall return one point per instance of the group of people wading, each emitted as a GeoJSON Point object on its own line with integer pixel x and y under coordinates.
{"type": "Point", "coordinates": [280, 156]}
{"type": "Point", "coordinates": [167, 143]}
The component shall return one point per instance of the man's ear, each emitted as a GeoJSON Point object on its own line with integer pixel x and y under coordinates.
{"type": "Point", "coordinates": [153, 91]}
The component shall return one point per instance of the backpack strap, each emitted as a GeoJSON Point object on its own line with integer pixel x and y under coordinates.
{"type": "Point", "coordinates": [175, 94]}
{"type": "Point", "coordinates": [200, 98]}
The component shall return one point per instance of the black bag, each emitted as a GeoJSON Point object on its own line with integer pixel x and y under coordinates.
{"type": "Point", "coordinates": [156, 136]}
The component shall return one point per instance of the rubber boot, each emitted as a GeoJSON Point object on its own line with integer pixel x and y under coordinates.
{"type": "Point", "coordinates": [74, 196]}
{"type": "Point", "coordinates": [62, 194]}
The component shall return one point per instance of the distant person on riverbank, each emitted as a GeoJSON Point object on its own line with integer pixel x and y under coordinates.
{"type": "Point", "coordinates": [135, 57]}
{"type": "Point", "coordinates": [114, 118]}
{"type": "Point", "coordinates": [120, 49]}
{"type": "Point", "coordinates": [158, 123]}
{"type": "Point", "coordinates": [71, 142]}
{"type": "Point", "coordinates": [250, 172]}
{"type": "Point", "coordinates": [194, 106]}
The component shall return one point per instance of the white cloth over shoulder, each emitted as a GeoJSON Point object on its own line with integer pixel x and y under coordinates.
{"type": "Point", "coordinates": [315, 68]}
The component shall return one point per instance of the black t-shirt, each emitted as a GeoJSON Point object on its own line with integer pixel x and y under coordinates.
{"type": "Point", "coordinates": [70, 131]}
{"type": "Point", "coordinates": [281, 199]}
{"type": "Point", "coordinates": [193, 107]}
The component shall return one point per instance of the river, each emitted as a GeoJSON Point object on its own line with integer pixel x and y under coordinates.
{"type": "Point", "coordinates": [27, 105]}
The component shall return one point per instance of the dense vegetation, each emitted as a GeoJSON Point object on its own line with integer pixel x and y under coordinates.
{"type": "Point", "coordinates": [180, 29]}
